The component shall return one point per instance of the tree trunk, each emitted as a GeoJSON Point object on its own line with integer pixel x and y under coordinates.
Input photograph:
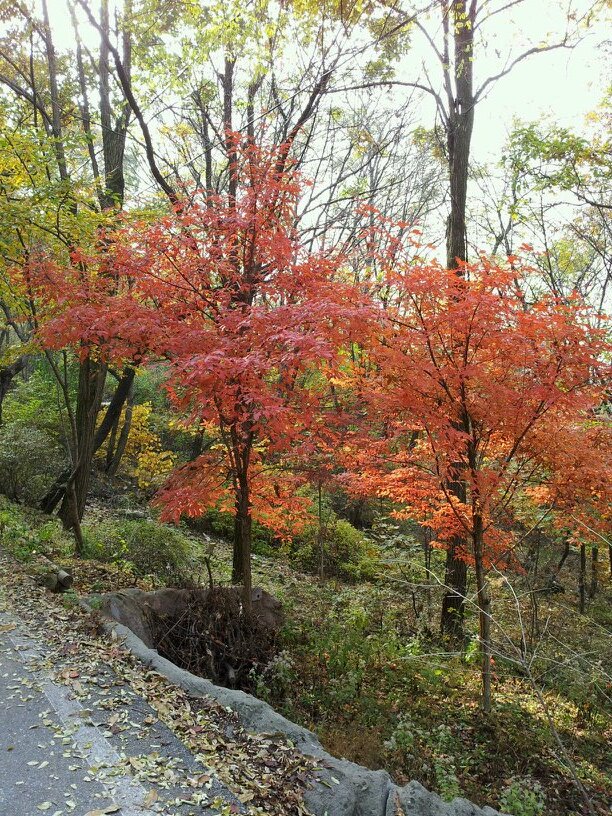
{"type": "Point", "coordinates": [197, 445]}
{"type": "Point", "coordinates": [594, 571]}
{"type": "Point", "coordinates": [115, 461]}
{"type": "Point", "coordinates": [582, 579]}
{"type": "Point", "coordinates": [459, 136]}
{"type": "Point", "coordinates": [56, 493]}
{"type": "Point", "coordinates": [484, 614]}
{"type": "Point", "coordinates": [453, 603]}
{"type": "Point", "coordinates": [459, 129]}
{"type": "Point", "coordinates": [455, 577]}
{"type": "Point", "coordinates": [112, 442]}
{"type": "Point", "coordinates": [564, 556]}
{"type": "Point", "coordinates": [92, 376]}
{"type": "Point", "coordinates": [237, 558]}
{"type": "Point", "coordinates": [534, 631]}
{"type": "Point", "coordinates": [247, 581]}
{"type": "Point", "coordinates": [72, 520]}
{"type": "Point", "coordinates": [241, 572]}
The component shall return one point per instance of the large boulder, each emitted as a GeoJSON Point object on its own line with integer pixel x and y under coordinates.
{"type": "Point", "coordinates": [144, 612]}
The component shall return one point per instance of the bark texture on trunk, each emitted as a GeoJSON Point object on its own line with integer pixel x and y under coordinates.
{"type": "Point", "coordinates": [459, 127]}
{"type": "Point", "coordinates": [455, 581]}
{"type": "Point", "coordinates": [484, 613]}
{"type": "Point", "coordinates": [241, 569]}
{"type": "Point", "coordinates": [458, 26]}
{"type": "Point", "coordinates": [455, 568]}
{"type": "Point", "coordinates": [92, 376]}
{"type": "Point", "coordinates": [55, 494]}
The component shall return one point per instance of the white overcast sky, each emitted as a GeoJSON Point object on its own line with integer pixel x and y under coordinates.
{"type": "Point", "coordinates": [561, 85]}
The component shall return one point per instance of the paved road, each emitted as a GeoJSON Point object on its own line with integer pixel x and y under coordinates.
{"type": "Point", "coordinates": [108, 755]}
{"type": "Point", "coordinates": [36, 767]}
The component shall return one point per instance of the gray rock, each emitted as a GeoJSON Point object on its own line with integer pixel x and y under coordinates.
{"type": "Point", "coordinates": [142, 611]}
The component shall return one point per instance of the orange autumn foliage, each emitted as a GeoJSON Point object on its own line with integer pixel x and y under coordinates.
{"type": "Point", "coordinates": [465, 384]}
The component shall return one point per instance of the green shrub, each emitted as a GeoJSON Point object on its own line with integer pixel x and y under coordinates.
{"type": "Point", "coordinates": [335, 549]}
{"type": "Point", "coordinates": [29, 459]}
{"type": "Point", "coordinates": [149, 387]}
{"type": "Point", "coordinates": [523, 797]}
{"type": "Point", "coordinates": [25, 532]}
{"type": "Point", "coordinates": [445, 749]}
{"type": "Point", "coordinates": [361, 513]}
{"type": "Point", "coordinates": [216, 523]}
{"type": "Point", "coordinates": [276, 680]}
{"type": "Point", "coordinates": [148, 547]}
{"type": "Point", "coordinates": [33, 403]}
{"type": "Point", "coordinates": [438, 745]}
{"type": "Point", "coordinates": [221, 524]}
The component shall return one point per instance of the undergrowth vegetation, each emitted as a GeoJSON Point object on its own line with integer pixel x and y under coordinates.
{"type": "Point", "coordinates": [144, 546]}
{"type": "Point", "coordinates": [358, 661]}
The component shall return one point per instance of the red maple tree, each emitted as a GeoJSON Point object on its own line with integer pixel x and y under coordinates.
{"type": "Point", "coordinates": [469, 393]}
{"type": "Point", "coordinates": [247, 321]}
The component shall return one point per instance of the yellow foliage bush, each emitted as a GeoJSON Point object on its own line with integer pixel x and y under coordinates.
{"type": "Point", "coordinates": [144, 459]}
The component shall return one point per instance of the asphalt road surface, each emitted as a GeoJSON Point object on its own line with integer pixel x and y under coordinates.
{"type": "Point", "coordinates": [104, 753]}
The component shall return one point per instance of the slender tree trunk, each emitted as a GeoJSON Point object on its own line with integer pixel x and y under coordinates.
{"type": "Point", "coordinates": [119, 450]}
{"type": "Point", "coordinates": [197, 445]}
{"type": "Point", "coordinates": [582, 579]}
{"type": "Point", "coordinates": [71, 518]}
{"type": "Point", "coordinates": [453, 602]}
{"type": "Point", "coordinates": [534, 632]}
{"type": "Point", "coordinates": [92, 376]}
{"type": "Point", "coordinates": [459, 126]}
{"type": "Point", "coordinates": [55, 494]}
{"type": "Point", "coordinates": [455, 576]}
{"type": "Point", "coordinates": [237, 558]}
{"type": "Point", "coordinates": [459, 136]}
{"type": "Point", "coordinates": [230, 146]}
{"type": "Point", "coordinates": [112, 441]}
{"type": "Point", "coordinates": [484, 614]}
{"type": "Point", "coordinates": [244, 520]}
{"type": "Point", "coordinates": [564, 557]}
{"type": "Point", "coordinates": [594, 571]}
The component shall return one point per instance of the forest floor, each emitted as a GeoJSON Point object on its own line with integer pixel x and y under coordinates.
{"type": "Point", "coordinates": [359, 665]}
